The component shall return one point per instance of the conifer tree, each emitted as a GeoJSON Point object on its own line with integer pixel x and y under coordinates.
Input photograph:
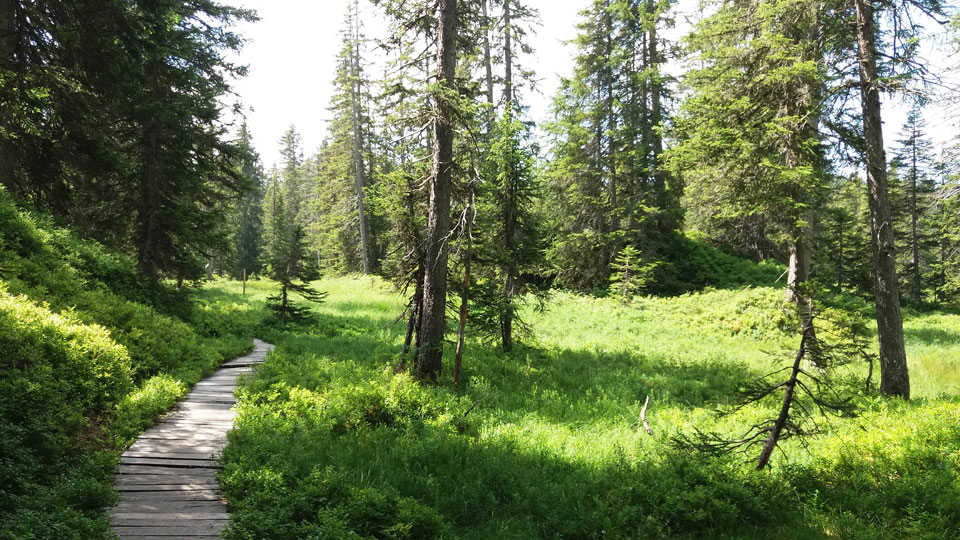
{"type": "Point", "coordinates": [343, 231]}
{"type": "Point", "coordinates": [913, 161]}
{"type": "Point", "coordinates": [247, 222]}
{"type": "Point", "coordinates": [606, 179]}
{"type": "Point", "coordinates": [749, 137]}
{"type": "Point", "coordinates": [285, 258]}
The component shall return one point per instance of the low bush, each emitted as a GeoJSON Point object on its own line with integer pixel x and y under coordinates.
{"type": "Point", "coordinates": [90, 354]}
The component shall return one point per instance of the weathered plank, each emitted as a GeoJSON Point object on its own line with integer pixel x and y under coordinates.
{"type": "Point", "coordinates": [167, 455]}
{"type": "Point", "coordinates": [209, 487]}
{"type": "Point", "coordinates": [169, 516]}
{"type": "Point", "coordinates": [192, 531]}
{"type": "Point", "coordinates": [167, 477]}
{"type": "Point", "coordinates": [169, 462]}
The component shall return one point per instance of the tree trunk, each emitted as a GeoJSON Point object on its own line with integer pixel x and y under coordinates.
{"type": "Point", "coordinates": [358, 145]}
{"type": "Point", "coordinates": [147, 212]}
{"type": "Point", "coordinates": [656, 117]}
{"type": "Point", "coordinates": [507, 54]}
{"type": "Point", "coordinates": [465, 294]}
{"type": "Point", "coordinates": [429, 359]}
{"type": "Point", "coordinates": [840, 254]}
{"type": "Point", "coordinates": [8, 44]}
{"type": "Point", "coordinates": [914, 218]}
{"type": "Point", "coordinates": [611, 122]}
{"type": "Point", "coordinates": [509, 194]}
{"type": "Point", "coordinates": [894, 377]}
{"type": "Point", "coordinates": [488, 64]}
{"type": "Point", "coordinates": [781, 421]}
{"type": "Point", "coordinates": [798, 270]}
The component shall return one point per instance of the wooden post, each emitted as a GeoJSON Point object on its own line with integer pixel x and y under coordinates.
{"type": "Point", "coordinates": [244, 281]}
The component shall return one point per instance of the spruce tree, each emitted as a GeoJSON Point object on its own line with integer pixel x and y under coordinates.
{"type": "Point", "coordinates": [285, 258]}
{"type": "Point", "coordinates": [607, 186]}
{"type": "Point", "coordinates": [749, 141]}
{"type": "Point", "coordinates": [913, 160]}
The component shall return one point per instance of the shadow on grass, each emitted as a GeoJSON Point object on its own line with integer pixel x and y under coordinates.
{"type": "Point", "coordinates": [931, 336]}
{"type": "Point", "coordinates": [286, 475]}
{"type": "Point", "coordinates": [297, 470]}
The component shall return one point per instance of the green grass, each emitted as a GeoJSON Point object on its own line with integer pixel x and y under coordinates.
{"type": "Point", "coordinates": [331, 444]}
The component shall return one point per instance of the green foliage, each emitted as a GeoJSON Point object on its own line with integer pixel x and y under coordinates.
{"type": "Point", "coordinates": [607, 187]}
{"type": "Point", "coordinates": [59, 375]}
{"type": "Point", "coordinates": [544, 442]}
{"type": "Point", "coordinates": [87, 361]}
{"type": "Point", "coordinates": [630, 276]}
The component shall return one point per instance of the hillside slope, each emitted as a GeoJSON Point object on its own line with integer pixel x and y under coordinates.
{"type": "Point", "coordinates": [90, 354]}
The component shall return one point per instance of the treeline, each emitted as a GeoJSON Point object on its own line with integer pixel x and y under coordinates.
{"type": "Point", "coordinates": [434, 175]}
{"type": "Point", "coordinates": [112, 116]}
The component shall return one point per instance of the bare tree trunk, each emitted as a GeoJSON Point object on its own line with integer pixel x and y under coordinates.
{"type": "Point", "coordinates": [487, 63]}
{"type": "Point", "coordinates": [840, 255]}
{"type": "Point", "coordinates": [465, 294]}
{"type": "Point", "coordinates": [358, 143]}
{"type": "Point", "coordinates": [789, 388]}
{"type": "Point", "coordinates": [510, 192]}
{"type": "Point", "coordinates": [611, 123]}
{"type": "Point", "coordinates": [8, 44]}
{"type": "Point", "coordinates": [429, 358]}
{"type": "Point", "coordinates": [894, 377]}
{"type": "Point", "coordinates": [914, 218]}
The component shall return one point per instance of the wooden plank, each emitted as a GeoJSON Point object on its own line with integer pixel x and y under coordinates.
{"type": "Point", "coordinates": [193, 476]}
{"type": "Point", "coordinates": [185, 436]}
{"type": "Point", "coordinates": [211, 488]}
{"type": "Point", "coordinates": [185, 470]}
{"type": "Point", "coordinates": [169, 462]}
{"type": "Point", "coordinates": [199, 529]}
{"type": "Point", "coordinates": [164, 505]}
{"type": "Point", "coordinates": [176, 446]}
{"type": "Point", "coordinates": [170, 497]}
{"type": "Point", "coordinates": [168, 455]}
{"type": "Point", "coordinates": [169, 516]}
{"type": "Point", "coordinates": [154, 537]}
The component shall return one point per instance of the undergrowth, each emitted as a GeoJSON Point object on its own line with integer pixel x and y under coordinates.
{"type": "Point", "coordinates": [91, 353]}
{"type": "Point", "coordinates": [544, 442]}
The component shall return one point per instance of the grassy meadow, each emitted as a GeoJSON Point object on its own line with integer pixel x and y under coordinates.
{"type": "Point", "coordinates": [544, 442]}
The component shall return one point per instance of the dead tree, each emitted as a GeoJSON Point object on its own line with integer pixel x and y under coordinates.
{"type": "Point", "coordinates": [805, 396]}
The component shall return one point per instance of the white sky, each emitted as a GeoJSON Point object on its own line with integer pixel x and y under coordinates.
{"type": "Point", "coordinates": [291, 54]}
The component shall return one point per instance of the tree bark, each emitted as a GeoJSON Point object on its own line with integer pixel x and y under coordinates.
{"type": "Point", "coordinates": [894, 377]}
{"type": "Point", "coordinates": [8, 44]}
{"type": "Point", "coordinates": [509, 194]}
{"type": "Point", "coordinates": [429, 357]}
{"type": "Point", "coordinates": [914, 219]}
{"type": "Point", "coordinates": [656, 116]}
{"type": "Point", "coordinates": [488, 64]}
{"type": "Point", "coordinates": [358, 144]}
{"type": "Point", "coordinates": [465, 294]}
{"type": "Point", "coordinates": [791, 385]}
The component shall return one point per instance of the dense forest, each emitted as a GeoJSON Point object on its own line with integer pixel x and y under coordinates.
{"type": "Point", "coordinates": [472, 309]}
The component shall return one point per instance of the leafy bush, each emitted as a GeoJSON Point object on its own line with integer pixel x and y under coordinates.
{"type": "Point", "coordinates": [90, 354]}
{"type": "Point", "coordinates": [57, 377]}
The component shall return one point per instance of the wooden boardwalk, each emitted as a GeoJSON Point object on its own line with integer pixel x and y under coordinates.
{"type": "Point", "coordinates": [167, 477]}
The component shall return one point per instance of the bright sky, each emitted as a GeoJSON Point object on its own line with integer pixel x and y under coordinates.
{"type": "Point", "coordinates": [292, 53]}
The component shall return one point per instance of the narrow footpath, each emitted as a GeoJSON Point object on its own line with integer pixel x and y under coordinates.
{"type": "Point", "coordinates": [167, 478]}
